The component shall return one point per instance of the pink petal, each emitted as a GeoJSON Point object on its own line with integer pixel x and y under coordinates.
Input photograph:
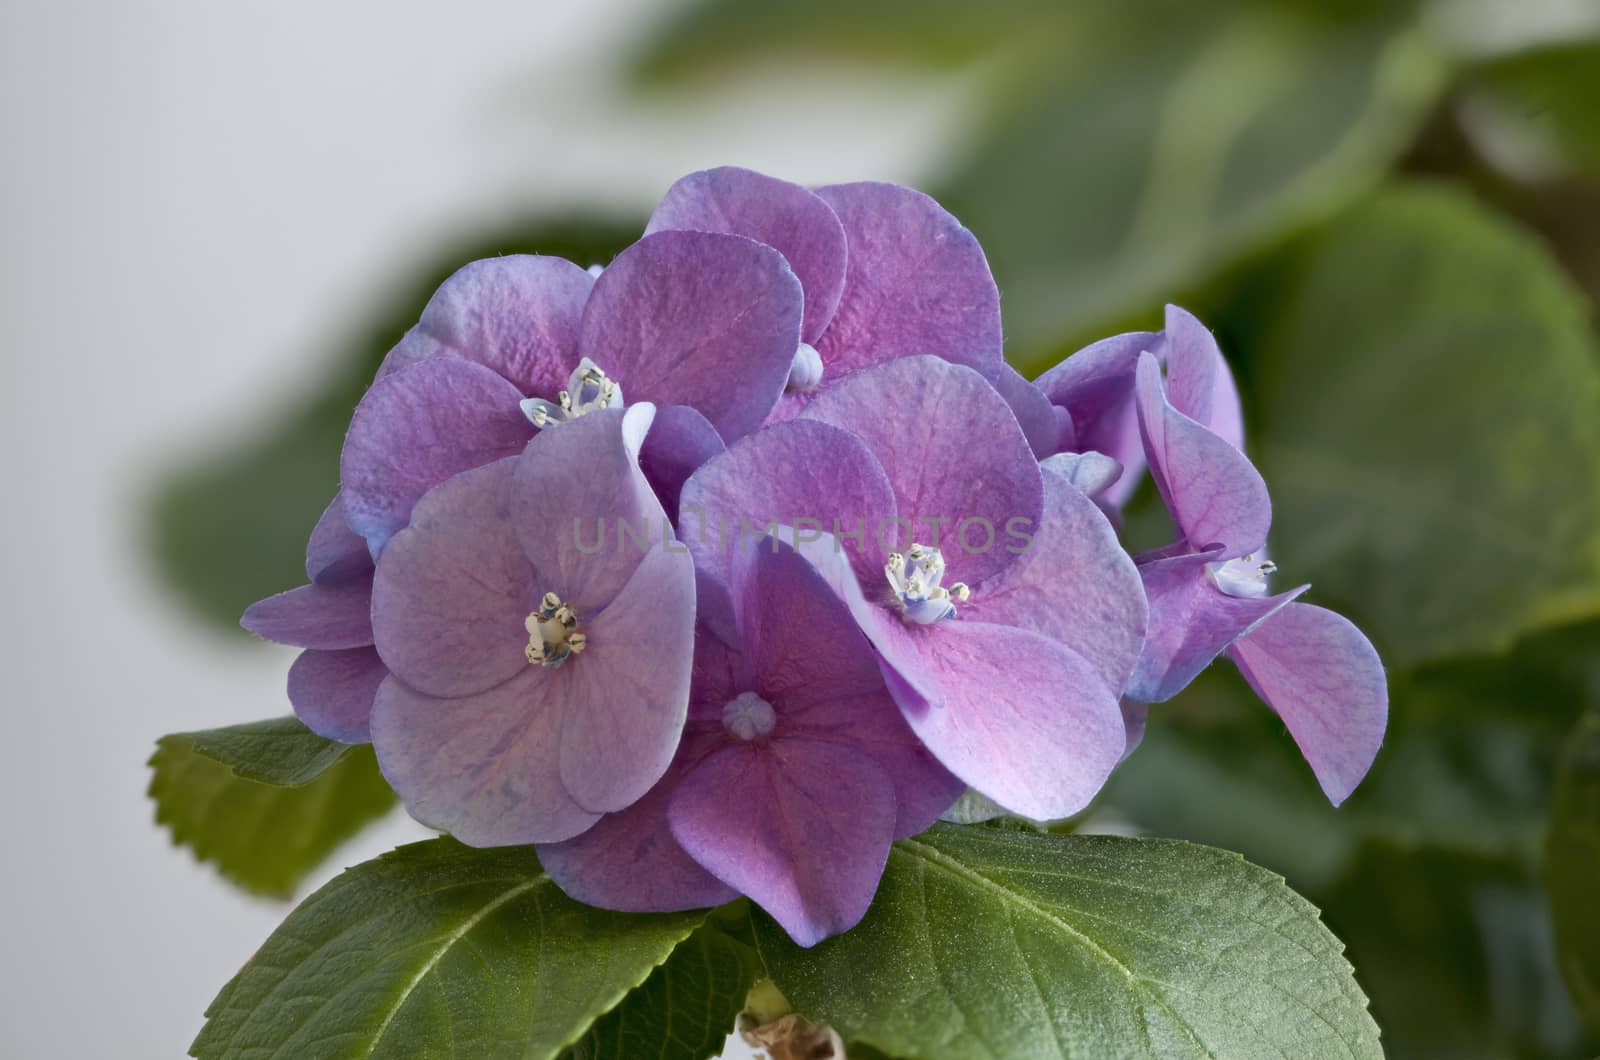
{"type": "Point", "coordinates": [1326, 682]}
{"type": "Point", "coordinates": [917, 283]}
{"type": "Point", "coordinates": [785, 216]}
{"type": "Point", "coordinates": [700, 319]}
{"type": "Point", "coordinates": [1215, 495]}
{"type": "Point", "coordinates": [1026, 721]}
{"type": "Point", "coordinates": [959, 464]}
{"type": "Point", "coordinates": [333, 616]}
{"type": "Point", "coordinates": [1074, 584]}
{"type": "Point", "coordinates": [415, 428]}
{"type": "Point", "coordinates": [1191, 622]}
{"type": "Point", "coordinates": [626, 696]}
{"type": "Point", "coordinates": [800, 469]}
{"type": "Point", "coordinates": [332, 691]}
{"type": "Point", "coordinates": [483, 768]}
{"type": "Point", "coordinates": [800, 826]}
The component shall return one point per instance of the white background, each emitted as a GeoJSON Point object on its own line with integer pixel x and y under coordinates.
{"type": "Point", "coordinates": [195, 198]}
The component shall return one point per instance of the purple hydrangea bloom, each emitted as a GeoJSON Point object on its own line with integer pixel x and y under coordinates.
{"type": "Point", "coordinates": [703, 325]}
{"type": "Point", "coordinates": [1208, 592]}
{"type": "Point", "coordinates": [887, 271]}
{"type": "Point", "coordinates": [333, 681]}
{"type": "Point", "coordinates": [539, 657]}
{"type": "Point", "coordinates": [795, 773]}
{"type": "Point", "coordinates": [1006, 615]}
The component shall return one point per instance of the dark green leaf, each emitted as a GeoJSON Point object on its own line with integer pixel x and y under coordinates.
{"type": "Point", "coordinates": [266, 802]}
{"type": "Point", "coordinates": [1429, 407]}
{"type": "Point", "coordinates": [1552, 88]}
{"type": "Point", "coordinates": [1572, 867]}
{"type": "Point", "coordinates": [437, 950]}
{"type": "Point", "coordinates": [993, 943]}
{"type": "Point", "coordinates": [1155, 151]}
{"type": "Point", "coordinates": [684, 1011]}
{"type": "Point", "coordinates": [1456, 954]}
{"type": "Point", "coordinates": [231, 527]}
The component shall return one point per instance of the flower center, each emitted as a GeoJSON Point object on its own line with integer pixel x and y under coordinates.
{"type": "Point", "coordinates": [748, 716]}
{"type": "Point", "coordinates": [805, 372]}
{"type": "Point", "coordinates": [1245, 576]}
{"type": "Point", "coordinates": [915, 578]}
{"type": "Point", "coordinates": [588, 390]}
{"type": "Point", "coordinates": [553, 633]}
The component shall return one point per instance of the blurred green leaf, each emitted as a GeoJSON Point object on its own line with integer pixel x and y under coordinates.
{"type": "Point", "coordinates": [231, 527]}
{"type": "Point", "coordinates": [1455, 952]}
{"type": "Point", "coordinates": [1428, 400]}
{"type": "Point", "coordinates": [684, 1011]}
{"type": "Point", "coordinates": [436, 949]}
{"type": "Point", "coordinates": [1166, 149]}
{"type": "Point", "coordinates": [1572, 866]}
{"type": "Point", "coordinates": [986, 942]}
{"type": "Point", "coordinates": [1466, 764]}
{"type": "Point", "coordinates": [1553, 89]}
{"type": "Point", "coordinates": [266, 802]}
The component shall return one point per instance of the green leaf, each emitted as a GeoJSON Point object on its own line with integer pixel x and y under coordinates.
{"type": "Point", "coordinates": [994, 943]}
{"type": "Point", "coordinates": [266, 802]}
{"type": "Point", "coordinates": [684, 1011]}
{"type": "Point", "coordinates": [1428, 403]}
{"type": "Point", "coordinates": [1572, 867]}
{"type": "Point", "coordinates": [437, 950]}
{"type": "Point", "coordinates": [1164, 150]}
{"type": "Point", "coordinates": [1553, 88]}
{"type": "Point", "coordinates": [231, 527]}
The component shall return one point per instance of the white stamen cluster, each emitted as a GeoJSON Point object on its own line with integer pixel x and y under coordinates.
{"type": "Point", "coordinates": [1243, 577]}
{"type": "Point", "coordinates": [915, 580]}
{"type": "Point", "coordinates": [747, 716]}
{"type": "Point", "coordinates": [553, 635]}
{"type": "Point", "coordinates": [588, 390]}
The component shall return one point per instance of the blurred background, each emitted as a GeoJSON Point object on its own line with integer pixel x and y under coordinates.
{"type": "Point", "coordinates": [217, 217]}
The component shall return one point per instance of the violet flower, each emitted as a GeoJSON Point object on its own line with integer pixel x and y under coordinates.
{"type": "Point", "coordinates": [539, 658]}
{"type": "Point", "coordinates": [1006, 615]}
{"type": "Point", "coordinates": [887, 271]}
{"type": "Point", "coordinates": [333, 681]}
{"type": "Point", "coordinates": [795, 774]}
{"type": "Point", "coordinates": [703, 325]}
{"type": "Point", "coordinates": [1208, 591]}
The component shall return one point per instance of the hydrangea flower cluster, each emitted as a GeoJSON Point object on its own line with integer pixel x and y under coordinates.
{"type": "Point", "coordinates": [715, 570]}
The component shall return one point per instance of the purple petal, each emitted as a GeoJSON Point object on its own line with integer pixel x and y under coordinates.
{"type": "Point", "coordinates": [1090, 473]}
{"type": "Point", "coordinates": [1033, 410]}
{"type": "Point", "coordinates": [917, 283]}
{"type": "Point", "coordinates": [1216, 496]}
{"type": "Point", "coordinates": [1326, 682]}
{"type": "Point", "coordinates": [332, 691]}
{"type": "Point", "coordinates": [800, 826]}
{"type": "Point", "coordinates": [517, 314]}
{"type": "Point", "coordinates": [626, 696]}
{"type": "Point", "coordinates": [454, 588]}
{"type": "Point", "coordinates": [678, 443]}
{"type": "Point", "coordinates": [1135, 716]}
{"type": "Point", "coordinates": [335, 552]}
{"type": "Point", "coordinates": [1074, 583]}
{"type": "Point", "coordinates": [1026, 720]}
{"type": "Point", "coordinates": [953, 453]}
{"type": "Point", "coordinates": [785, 216]}
{"type": "Point", "coordinates": [483, 768]}
{"type": "Point", "coordinates": [1199, 384]}
{"type": "Point", "coordinates": [1095, 385]}
{"type": "Point", "coordinates": [583, 509]}
{"type": "Point", "coordinates": [333, 616]}
{"type": "Point", "coordinates": [415, 428]}
{"type": "Point", "coordinates": [700, 319]}
{"type": "Point", "coordinates": [629, 860]}
{"type": "Point", "coordinates": [810, 659]}
{"type": "Point", "coordinates": [788, 472]}
{"type": "Point", "coordinates": [1191, 622]}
